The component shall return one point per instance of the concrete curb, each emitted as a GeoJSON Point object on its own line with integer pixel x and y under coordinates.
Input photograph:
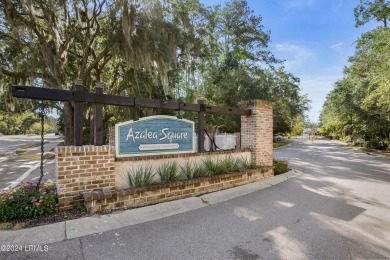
{"type": "Point", "coordinates": [100, 223]}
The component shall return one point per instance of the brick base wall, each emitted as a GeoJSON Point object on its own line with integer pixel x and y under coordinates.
{"type": "Point", "coordinates": [98, 201]}
{"type": "Point", "coordinates": [95, 169]}
{"type": "Point", "coordinates": [83, 168]}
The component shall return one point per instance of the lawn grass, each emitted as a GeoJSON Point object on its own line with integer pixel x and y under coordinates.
{"type": "Point", "coordinates": [370, 150]}
{"type": "Point", "coordinates": [279, 144]}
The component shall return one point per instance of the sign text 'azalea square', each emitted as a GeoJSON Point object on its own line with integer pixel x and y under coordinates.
{"type": "Point", "coordinates": [154, 135]}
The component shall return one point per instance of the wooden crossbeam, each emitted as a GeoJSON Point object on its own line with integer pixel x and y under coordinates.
{"type": "Point", "coordinates": [78, 96]}
{"type": "Point", "coordinates": [99, 98]}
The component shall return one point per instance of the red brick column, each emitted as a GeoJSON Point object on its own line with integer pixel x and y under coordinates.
{"type": "Point", "coordinates": [256, 131]}
{"type": "Point", "coordinates": [83, 168]}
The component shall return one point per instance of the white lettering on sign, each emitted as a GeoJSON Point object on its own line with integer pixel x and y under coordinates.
{"type": "Point", "coordinates": [141, 135]}
{"type": "Point", "coordinates": [173, 135]}
{"type": "Point", "coordinates": [166, 134]}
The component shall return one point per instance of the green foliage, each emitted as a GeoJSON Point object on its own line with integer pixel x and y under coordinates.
{"type": "Point", "coordinates": [16, 123]}
{"type": "Point", "coordinates": [298, 125]}
{"type": "Point", "coordinates": [189, 170]}
{"type": "Point", "coordinates": [26, 201]}
{"type": "Point", "coordinates": [359, 104]}
{"type": "Point", "coordinates": [378, 10]}
{"type": "Point", "coordinates": [140, 176]}
{"type": "Point", "coordinates": [280, 166]}
{"type": "Point", "coordinates": [168, 172]}
{"type": "Point", "coordinates": [279, 144]}
{"type": "Point", "coordinates": [210, 167]}
{"type": "Point", "coordinates": [230, 164]}
{"type": "Point", "coordinates": [146, 49]}
{"type": "Point", "coordinates": [186, 170]}
{"type": "Point", "coordinates": [35, 129]}
{"type": "Point", "coordinates": [213, 167]}
{"type": "Point", "coordinates": [247, 163]}
{"type": "Point", "coordinates": [12, 123]}
{"type": "Point", "coordinates": [199, 171]}
{"type": "Point", "coordinates": [226, 165]}
{"type": "Point", "coordinates": [377, 144]}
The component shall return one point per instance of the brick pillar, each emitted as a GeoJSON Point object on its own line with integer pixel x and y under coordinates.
{"type": "Point", "coordinates": [83, 168]}
{"type": "Point", "coordinates": [256, 131]}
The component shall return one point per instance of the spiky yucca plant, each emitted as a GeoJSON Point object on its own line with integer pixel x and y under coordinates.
{"type": "Point", "coordinates": [140, 176]}
{"type": "Point", "coordinates": [169, 172]}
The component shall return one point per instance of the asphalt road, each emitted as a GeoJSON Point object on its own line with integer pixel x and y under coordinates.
{"type": "Point", "coordinates": [338, 209]}
{"type": "Point", "coordinates": [14, 168]}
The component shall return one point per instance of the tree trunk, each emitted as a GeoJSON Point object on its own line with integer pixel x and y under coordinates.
{"type": "Point", "coordinates": [91, 123]}
{"type": "Point", "coordinates": [213, 146]}
{"type": "Point", "coordinates": [68, 124]}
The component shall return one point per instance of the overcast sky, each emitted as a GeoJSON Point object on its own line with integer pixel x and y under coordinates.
{"type": "Point", "coordinates": [314, 37]}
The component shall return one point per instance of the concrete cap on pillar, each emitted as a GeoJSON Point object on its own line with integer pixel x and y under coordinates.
{"type": "Point", "coordinates": [78, 82]}
{"type": "Point", "coordinates": [98, 84]}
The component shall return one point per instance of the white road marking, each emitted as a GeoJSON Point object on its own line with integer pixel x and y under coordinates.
{"type": "Point", "coordinates": [24, 175]}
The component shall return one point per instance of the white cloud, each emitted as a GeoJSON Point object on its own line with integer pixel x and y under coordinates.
{"type": "Point", "coordinates": [338, 47]}
{"type": "Point", "coordinates": [300, 4]}
{"type": "Point", "coordinates": [294, 54]}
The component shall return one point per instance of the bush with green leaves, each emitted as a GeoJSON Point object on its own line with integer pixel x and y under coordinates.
{"type": "Point", "coordinates": [192, 170]}
{"type": "Point", "coordinates": [27, 201]}
{"type": "Point", "coordinates": [280, 166]}
{"type": "Point", "coordinates": [247, 163]}
{"type": "Point", "coordinates": [169, 172]}
{"type": "Point", "coordinates": [230, 164]}
{"type": "Point", "coordinates": [213, 167]}
{"type": "Point", "coordinates": [187, 170]}
{"type": "Point", "coordinates": [199, 171]}
{"type": "Point", "coordinates": [140, 176]}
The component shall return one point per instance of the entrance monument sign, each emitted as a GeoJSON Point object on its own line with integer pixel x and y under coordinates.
{"type": "Point", "coordinates": [154, 135]}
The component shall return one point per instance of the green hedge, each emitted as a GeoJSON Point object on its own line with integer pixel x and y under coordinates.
{"type": "Point", "coordinates": [280, 166]}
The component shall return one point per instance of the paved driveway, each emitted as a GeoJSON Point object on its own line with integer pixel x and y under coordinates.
{"type": "Point", "coordinates": [14, 168]}
{"type": "Point", "coordinates": [338, 209]}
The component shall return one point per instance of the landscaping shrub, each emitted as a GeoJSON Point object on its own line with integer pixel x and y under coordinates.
{"type": "Point", "coordinates": [139, 177]}
{"type": "Point", "coordinates": [280, 166]}
{"type": "Point", "coordinates": [25, 200]}
{"type": "Point", "coordinates": [346, 139]}
{"type": "Point", "coordinates": [199, 171]}
{"type": "Point", "coordinates": [247, 163]}
{"type": "Point", "coordinates": [376, 144]}
{"type": "Point", "coordinates": [230, 164]}
{"type": "Point", "coordinates": [213, 167]}
{"type": "Point", "coordinates": [191, 170]}
{"type": "Point", "coordinates": [169, 172]}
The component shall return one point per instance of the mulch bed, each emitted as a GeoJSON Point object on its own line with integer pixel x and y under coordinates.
{"type": "Point", "coordinates": [44, 220]}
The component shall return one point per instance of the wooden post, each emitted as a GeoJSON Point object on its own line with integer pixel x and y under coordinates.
{"type": "Point", "coordinates": [78, 113]}
{"type": "Point", "coordinates": [98, 117]}
{"type": "Point", "coordinates": [201, 114]}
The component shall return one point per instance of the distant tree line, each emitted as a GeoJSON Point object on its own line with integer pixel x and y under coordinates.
{"type": "Point", "coordinates": [358, 108]}
{"type": "Point", "coordinates": [145, 48]}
